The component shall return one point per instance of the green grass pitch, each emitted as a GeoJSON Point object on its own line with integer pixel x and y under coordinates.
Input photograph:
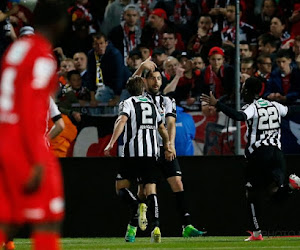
{"type": "Point", "coordinates": [204, 243]}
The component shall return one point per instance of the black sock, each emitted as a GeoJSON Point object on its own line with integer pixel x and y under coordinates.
{"type": "Point", "coordinates": [253, 207]}
{"type": "Point", "coordinates": [153, 208]}
{"type": "Point", "coordinates": [128, 198]}
{"type": "Point", "coordinates": [182, 208]}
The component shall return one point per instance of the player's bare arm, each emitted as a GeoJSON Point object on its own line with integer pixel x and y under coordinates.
{"type": "Point", "coordinates": [118, 129]}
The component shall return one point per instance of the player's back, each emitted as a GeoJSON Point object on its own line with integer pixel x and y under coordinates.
{"type": "Point", "coordinates": [140, 137]}
{"type": "Point", "coordinates": [28, 77]}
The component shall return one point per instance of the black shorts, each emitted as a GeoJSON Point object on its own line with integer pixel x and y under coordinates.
{"type": "Point", "coordinates": [168, 168]}
{"type": "Point", "coordinates": [143, 170]}
{"type": "Point", "coordinates": [266, 165]}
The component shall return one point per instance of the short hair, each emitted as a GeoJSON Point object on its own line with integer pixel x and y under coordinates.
{"type": "Point", "coordinates": [135, 85]}
{"type": "Point", "coordinates": [283, 53]}
{"type": "Point", "coordinates": [149, 73]}
{"type": "Point", "coordinates": [233, 3]}
{"type": "Point", "coordinates": [245, 43]}
{"type": "Point", "coordinates": [169, 58]}
{"type": "Point", "coordinates": [261, 57]}
{"type": "Point", "coordinates": [72, 72]}
{"type": "Point", "coordinates": [253, 86]}
{"type": "Point", "coordinates": [99, 35]}
{"type": "Point", "coordinates": [247, 60]}
{"type": "Point", "coordinates": [132, 6]}
{"type": "Point", "coordinates": [267, 38]}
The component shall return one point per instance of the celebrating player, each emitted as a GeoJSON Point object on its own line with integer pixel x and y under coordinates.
{"type": "Point", "coordinates": [266, 167]}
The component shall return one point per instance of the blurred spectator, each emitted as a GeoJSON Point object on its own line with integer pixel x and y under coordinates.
{"type": "Point", "coordinates": [106, 71]}
{"type": "Point", "coordinates": [5, 26]}
{"type": "Point", "coordinates": [80, 12]}
{"type": "Point", "coordinates": [169, 42]}
{"type": "Point", "coordinates": [157, 24]}
{"type": "Point", "coordinates": [127, 35]}
{"type": "Point", "coordinates": [268, 44]}
{"type": "Point", "coordinates": [245, 49]}
{"type": "Point", "coordinates": [183, 13]}
{"type": "Point", "coordinates": [188, 87]}
{"type": "Point", "coordinates": [73, 92]}
{"type": "Point", "coordinates": [204, 39]}
{"type": "Point", "coordinates": [247, 32]}
{"type": "Point", "coordinates": [198, 65]}
{"type": "Point", "coordinates": [80, 63]}
{"type": "Point", "coordinates": [278, 29]}
{"type": "Point", "coordinates": [134, 60]}
{"type": "Point", "coordinates": [296, 50]}
{"type": "Point", "coordinates": [113, 15]}
{"type": "Point", "coordinates": [216, 77]}
{"type": "Point", "coordinates": [66, 65]}
{"type": "Point", "coordinates": [158, 57]}
{"type": "Point", "coordinates": [264, 69]}
{"type": "Point", "coordinates": [269, 9]}
{"type": "Point", "coordinates": [284, 83]}
{"type": "Point", "coordinates": [247, 68]}
{"type": "Point", "coordinates": [144, 50]}
{"type": "Point", "coordinates": [294, 19]}
{"type": "Point", "coordinates": [172, 70]}
{"type": "Point", "coordinates": [185, 133]}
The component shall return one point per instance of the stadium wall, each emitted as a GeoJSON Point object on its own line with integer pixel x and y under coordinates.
{"type": "Point", "coordinates": [215, 194]}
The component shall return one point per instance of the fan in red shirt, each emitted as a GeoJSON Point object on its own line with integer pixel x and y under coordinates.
{"type": "Point", "coordinates": [31, 189]}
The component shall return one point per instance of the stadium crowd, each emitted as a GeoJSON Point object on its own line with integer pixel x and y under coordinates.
{"type": "Point", "coordinates": [191, 42]}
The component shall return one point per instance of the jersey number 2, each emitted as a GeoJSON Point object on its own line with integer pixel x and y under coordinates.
{"type": "Point", "coordinates": [268, 118]}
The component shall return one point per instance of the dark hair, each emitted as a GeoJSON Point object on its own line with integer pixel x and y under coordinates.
{"type": "Point", "coordinates": [149, 73]}
{"type": "Point", "coordinates": [48, 12]}
{"type": "Point", "coordinates": [261, 57]}
{"type": "Point", "coordinates": [253, 86]}
{"type": "Point", "coordinates": [72, 72]}
{"type": "Point", "coordinates": [233, 3]}
{"type": "Point", "coordinates": [247, 60]}
{"type": "Point", "coordinates": [135, 85]}
{"type": "Point", "coordinates": [245, 42]}
{"type": "Point", "coordinates": [283, 53]}
{"type": "Point", "coordinates": [99, 35]}
{"type": "Point", "coordinates": [269, 39]}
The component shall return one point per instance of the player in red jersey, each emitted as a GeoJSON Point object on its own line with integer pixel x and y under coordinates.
{"type": "Point", "coordinates": [31, 189]}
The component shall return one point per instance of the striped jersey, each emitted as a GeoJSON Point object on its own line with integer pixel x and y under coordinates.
{"type": "Point", "coordinates": [166, 107]}
{"type": "Point", "coordinates": [140, 136]}
{"type": "Point", "coordinates": [263, 124]}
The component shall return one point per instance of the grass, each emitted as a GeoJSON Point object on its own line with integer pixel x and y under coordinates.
{"type": "Point", "coordinates": [204, 243]}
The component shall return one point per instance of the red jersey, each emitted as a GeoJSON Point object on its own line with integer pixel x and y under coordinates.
{"type": "Point", "coordinates": [28, 78]}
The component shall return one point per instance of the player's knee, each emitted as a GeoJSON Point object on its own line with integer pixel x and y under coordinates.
{"type": "Point", "coordinates": [176, 183]}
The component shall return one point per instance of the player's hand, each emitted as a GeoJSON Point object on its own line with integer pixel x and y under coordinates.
{"type": "Point", "coordinates": [148, 64]}
{"type": "Point", "coordinates": [211, 100]}
{"type": "Point", "coordinates": [35, 179]}
{"type": "Point", "coordinates": [107, 149]}
{"type": "Point", "coordinates": [170, 156]}
{"type": "Point", "coordinates": [77, 116]}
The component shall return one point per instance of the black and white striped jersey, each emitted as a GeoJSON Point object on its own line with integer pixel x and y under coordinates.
{"type": "Point", "coordinates": [166, 107]}
{"type": "Point", "coordinates": [263, 123]}
{"type": "Point", "coordinates": [140, 135]}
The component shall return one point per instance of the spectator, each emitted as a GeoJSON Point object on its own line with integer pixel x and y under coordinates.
{"type": "Point", "coordinates": [113, 15]}
{"type": "Point", "coordinates": [278, 29]}
{"type": "Point", "coordinates": [264, 69]}
{"type": "Point", "coordinates": [144, 50]}
{"type": "Point", "coordinates": [247, 32]}
{"type": "Point", "coordinates": [198, 65]}
{"type": "Point", "coordinates": [296, 50]}
{"type": "Point", "coordinates": [294, 19]}
{"type": "Point", "coordinates": [158, 57]}
{"type": "Point", "coordinates": [187, 90]}
{"type": "Point", "coordinates": [66, 65]}
{"type": "Point", "coordinates": [106, 71]}
{"type": "Point", "coordinates": [171, 74]}
{"type": "Point", "coordinates": [205, 39]}
{"type": "Point", "coordinates": [269, 10]}
{"type": "Point", "coordinates": [216, 77]}
{"type": "Point", "coordinates": [169, 42]}
{"type": "Point", "coordinates": [80, 12]}
{"type": "Point", "coordinates": [268, 44]}
{"type": "Point", "coordinates": [134, 60]}
{"type": "Point", "coordinates": [157, 24]}
{"type": "Point", "coordinates": [185, 133]}
{"type": "Point", "coordinates": [127, 35]}
{"type": "Point", "coordinates": [80, 63]}
{"type": "Point", "coordinates": [247, 68]}
{"type": "Point", "coordinates": [73, 93]}
{"type": "Point", "coordinates": [245, 49]}
{"type": "Point", "coordinates": [284, 83]}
